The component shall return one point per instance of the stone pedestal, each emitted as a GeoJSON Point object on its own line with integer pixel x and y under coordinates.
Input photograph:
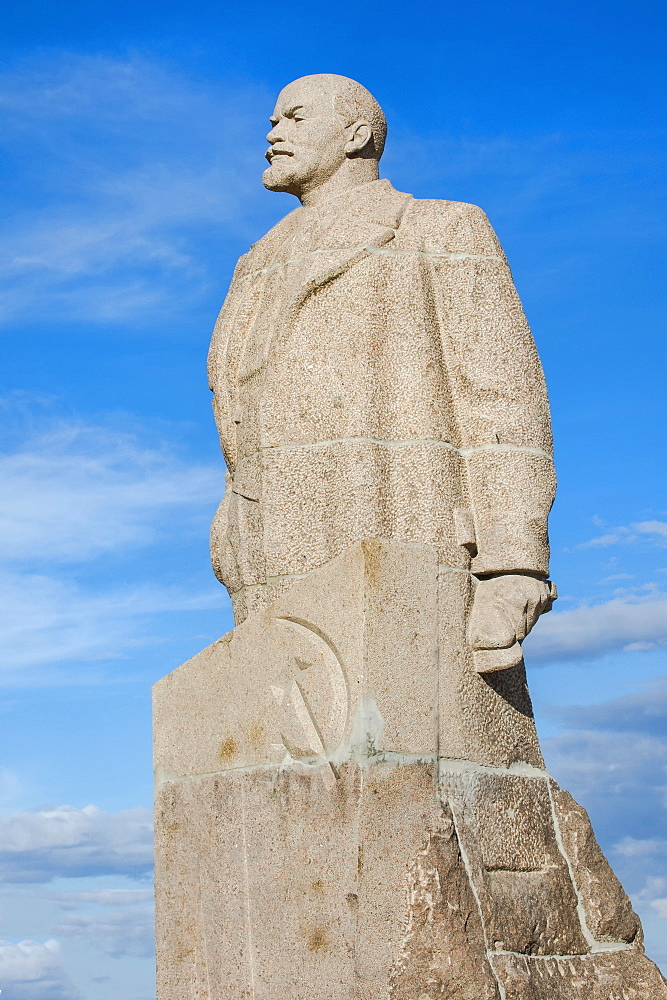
{"type": "Point", "coordinates": [345, 809]}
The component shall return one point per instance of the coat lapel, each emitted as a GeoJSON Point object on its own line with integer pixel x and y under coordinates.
{"type": "Point", "coordinates": [353, 226]}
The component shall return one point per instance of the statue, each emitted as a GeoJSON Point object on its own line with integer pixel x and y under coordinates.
{"type": "Point", "coordinates": [375, 376]}
{"type": "Point", "coordinates": [351, 800]}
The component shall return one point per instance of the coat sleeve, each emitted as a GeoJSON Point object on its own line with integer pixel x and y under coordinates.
{"type": "Point", "coordinates": [497, 386]}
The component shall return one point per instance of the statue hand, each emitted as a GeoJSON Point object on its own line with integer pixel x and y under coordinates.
{"type": "Point", "coordinates": [504, 610]}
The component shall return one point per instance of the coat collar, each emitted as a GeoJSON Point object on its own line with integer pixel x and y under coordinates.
{"type": "Point", "coordinates": [365, 215]}
{"type": "Point", "coordinates": [374, 203]}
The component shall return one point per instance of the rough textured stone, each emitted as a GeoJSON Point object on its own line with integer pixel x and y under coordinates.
{"type": "Point", "coordinates": [618, 975]}
{"type": "Point", "coordinates": [507, 831]}
{"type": "Point", "coordinates": [316, 842]}
{"type": "Point", "coordinates": [373, 347]}
{"type": "Point", "coordinates": [442, 952]}
{"type": "Point", "coordinates": [359, 642]}
{"type": "Point", "coordinates": [609, 914]}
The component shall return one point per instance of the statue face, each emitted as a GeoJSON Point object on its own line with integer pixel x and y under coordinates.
{"type": "Point", "coordinates": [308, 140]}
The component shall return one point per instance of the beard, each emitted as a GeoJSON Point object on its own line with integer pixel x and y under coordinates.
{"type": "Point", "coordinates": [282, 174]}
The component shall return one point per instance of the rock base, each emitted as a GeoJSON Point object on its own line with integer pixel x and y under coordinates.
{"type": "Point", "coordinates": [320, 835]}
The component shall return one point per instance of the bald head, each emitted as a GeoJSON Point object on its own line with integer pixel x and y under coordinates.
{"type": "Point", "coordinates": [328, 134]}
{"type": "Point", "coordinates": [352, 101]}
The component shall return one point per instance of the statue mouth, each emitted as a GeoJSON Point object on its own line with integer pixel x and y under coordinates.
{"type": "Point", "coordinates": [272, 152]}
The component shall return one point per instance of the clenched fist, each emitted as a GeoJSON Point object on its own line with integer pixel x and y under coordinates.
{"type": "Point", "coordinates": [504, 610]}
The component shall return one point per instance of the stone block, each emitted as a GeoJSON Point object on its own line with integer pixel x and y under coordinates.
{"type": "Point", "coordinates": [506, 829]}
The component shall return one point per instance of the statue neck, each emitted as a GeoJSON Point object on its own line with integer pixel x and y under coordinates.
{"type": "Point", "coordinates": [353, 173]}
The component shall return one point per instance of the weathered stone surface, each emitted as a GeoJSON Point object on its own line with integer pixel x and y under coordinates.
{"type": "Point", "coordinates": [487, 718]}
{"type": "Point", "coordinates": [618, 975]}
{"type": "Point", "coordinates": [506, 829]}
{"type": "Point", "coordinates": [443, 953]}
{"type": "Point", "coordinates": [358, 643]}
{"type": "Point", "coordinates": [312, 842]}
{"type": "Point", "coordinates": [608, 911]}
{"type": "Point", "coordinates": [374, 374]}
{"type": "Point", "coordinates": [291, 887]}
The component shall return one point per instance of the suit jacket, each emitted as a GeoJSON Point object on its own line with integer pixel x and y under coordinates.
{"type": "Point", "coordinates": [374, 376]}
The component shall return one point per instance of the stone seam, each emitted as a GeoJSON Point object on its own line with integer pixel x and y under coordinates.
{"type": "Point", "coordinates": [390, 757]}
{"type": "Point", "coordinates": [468, 867]}
{"type": "Point", "coordinates": [271, 580]}
{"type": "Point", "coordinates": [373, 250]}
{"type": "Point", "coordinates": [497, 446]}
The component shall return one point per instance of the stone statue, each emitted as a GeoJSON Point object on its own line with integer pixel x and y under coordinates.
{"type": "Point", "coordinates": [351, 800]}
{"type": "Point", "coordinates": [375, 376]}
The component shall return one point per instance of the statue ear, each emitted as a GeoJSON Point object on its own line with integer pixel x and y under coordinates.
{"type": "Point", "coordinates": [360, 139]}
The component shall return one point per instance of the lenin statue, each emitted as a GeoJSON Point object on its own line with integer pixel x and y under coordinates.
{"type": "Point", "coordinates": [374, 376]}
{"type": "Point", "coordinates": [351, 800]}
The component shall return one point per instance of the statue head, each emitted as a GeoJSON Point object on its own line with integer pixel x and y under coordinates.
{"type": "Point", "coordinates": [328, 134]}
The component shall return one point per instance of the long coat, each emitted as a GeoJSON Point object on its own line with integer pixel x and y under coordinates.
{"type": "Point", "coordinates": [374, 376]}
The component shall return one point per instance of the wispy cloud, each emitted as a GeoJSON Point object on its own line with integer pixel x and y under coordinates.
{"type": "Point", "coordinates": [655, 894]}
{"type": "Point", "coordinates": [44, 620]}
{"type": "Point", "coordinates": [118, 933]}
{"type": "Point", "coordinates": [133, 168]}
{"type": "Point", "coordinates": [643, 711]}
{"type": "Point", "coordinates": [613, 756]}
{"type": "Point", "coordinates": [74, 493]}
{"type": "Point", "coordinates": [76, 490]}
{"type": "Point", "coordinates": [613, 759]}
{"type": "Point", "coordinates": [632, 847]}
{"type": "Point", "coordinates": [68, 842]}
{"type": "Point", "coordinates": [102, 897]}
{"type": "Point", "coordinates": [641, 531]}
{"type": "Point", "coordinates": [628, 622]}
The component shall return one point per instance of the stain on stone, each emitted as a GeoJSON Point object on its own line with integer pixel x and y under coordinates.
{"type": "Point", "coordinates": [228, 750]}
{"type": "Point", "coordinates": [256, 736]}
{"type": "Point", "coordinates": [318, 940]}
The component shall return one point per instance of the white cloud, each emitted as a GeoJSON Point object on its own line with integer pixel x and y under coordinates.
{"type": "Point", "coordinates": [75, 491]}
{"type": "Point", "coordinates": [659, 906]}
{"type": "Point", "coordinates": [30, 970]}
{"type": "Point", "coordinates": [625, 622]}
{"type": "Point", "coordinates": [102, 897]}
{"type": "Point", "coordinates": [658, 528]}
{"type": "Point", "coordinates": [614, 759]}
{"type": "Point", "coordinates": [69, 842]}
{"type": "Point", "coordinates": [641, 712]}
{"type": "Point", "coordinates": [117, 933]}
{"type": "Point", "coordinates": [654, 894]}
{"type": "Point", "coordinates": [632, 847]}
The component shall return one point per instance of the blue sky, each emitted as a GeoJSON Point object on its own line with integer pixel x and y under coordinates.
{"type": "Point", "coordinates": [133, 140]}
